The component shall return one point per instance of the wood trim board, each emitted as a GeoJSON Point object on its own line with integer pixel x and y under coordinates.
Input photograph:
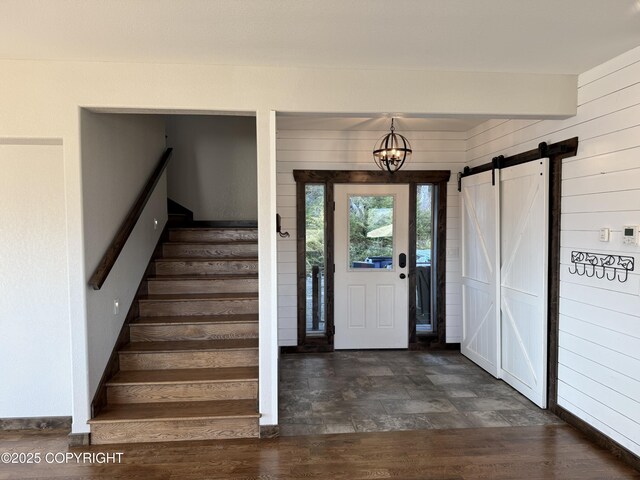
{"type": "Point", "coordinates": [36, 423]}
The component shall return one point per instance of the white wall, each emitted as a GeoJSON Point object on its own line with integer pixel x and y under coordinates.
{"type": "Point", "coordinates": [42, 99]}
{"type": "Point", "coordinates": [213, 170]}
{"type": "Point", "coordinates": [35, 363]}
{"type": "Point", "coordinates": [119, 152]}
{"type": "Point", "coordinates": [351, 150]}
{"type": "Point", "coordinates": [599, 371]}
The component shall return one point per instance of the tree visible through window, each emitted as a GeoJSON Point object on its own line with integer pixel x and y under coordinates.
{"type": "Point", "coordinates": [315, 259]}
{"type": "Point", "coordinates": [314, 198]}
{"type": "Point", "coordinates": [371, 231]}
{"type": "Point", "coordinates": [424, 259]}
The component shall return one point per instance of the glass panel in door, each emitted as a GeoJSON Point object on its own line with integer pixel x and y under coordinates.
{"type": "Point", "coordinates": [371, 231]}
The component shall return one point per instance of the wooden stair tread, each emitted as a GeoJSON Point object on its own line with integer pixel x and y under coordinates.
{"type": "Point", "coordinates": [197, 319]}
{"type": "Point", "coordinates": [149, 412]}
{"type": "Point", "coordinates": [208, 259]}
{"type": "Point", "coordinates": [192, 374]}
{"type": "Point", "coordinates": [211, 242]}
{"type": "Point", "coordinates": [191, 345]}
{"type": "Point", "coordinates": [189, 297]}
{"type": "Point", "coordinates": [204, 276]}
{"type": "Point", "coordinates": [185, 375]}
{"type": "Point", "coordinates": [212, 229]}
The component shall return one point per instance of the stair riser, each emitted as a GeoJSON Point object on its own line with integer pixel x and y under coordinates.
{"type": "Point", "coordinates": [210, 267]}
{"type": "Point", "coordinates": [173, 430]}
{"type": "Point", "coordinates": [213, 251]}
{"type": "Point", "coordinates": [155, 333]}
{"type": "Point", "coordinates": [189, 392]}
{"type": "Point", "coordinates": [230, 285]}
{"type": "Point", "coordinates": [203, 235]}
{"type": "Point", "coordinates": [151, 308]}
{"type": "Point", "coordinates": [171, 360]}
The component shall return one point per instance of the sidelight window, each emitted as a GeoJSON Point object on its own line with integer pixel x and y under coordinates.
{"type": "Point", "coordinates": [315, 258]}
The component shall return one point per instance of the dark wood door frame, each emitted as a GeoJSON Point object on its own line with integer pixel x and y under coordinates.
{"type": "Point", "coordinates": [328, 178]}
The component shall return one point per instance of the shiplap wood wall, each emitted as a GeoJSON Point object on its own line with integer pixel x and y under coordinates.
{"type": "Point", "coordinates": [599, 371]}
{"type": "Point", "coordinates": [351, 150]}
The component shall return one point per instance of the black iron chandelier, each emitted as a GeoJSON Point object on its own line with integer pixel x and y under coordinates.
{"type": "Point", "coordinates": [391, 151]}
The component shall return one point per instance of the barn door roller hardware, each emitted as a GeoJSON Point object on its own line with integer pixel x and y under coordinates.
{"type": "Point", "coordinates": [543, 148]}
{"type": "Point", "coordinates": [496, 164]}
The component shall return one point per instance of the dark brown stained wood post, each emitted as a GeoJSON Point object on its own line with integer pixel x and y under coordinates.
{"type": "Point", "coordinates": [559, 151]}
{"type": "Point", "coordinates": [301, 261]}
{"type": "Point", "coordinates": [553, 310]}
{"type": "Point", "coordinates": [413, 227]}
{"type": "Point", "coordinates": [315, 292]}
{"type": "Point", "coordinates": [441, 266]}
{"type": "Point", "coordinates": [329, 226]}
{"type": "Point", "coordinates": [122, 235]}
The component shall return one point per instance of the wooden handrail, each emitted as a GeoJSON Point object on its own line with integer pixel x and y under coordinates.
{"type": "Point", "coordinates": [117, 244]}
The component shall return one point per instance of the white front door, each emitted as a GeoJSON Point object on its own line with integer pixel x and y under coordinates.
{"type": "Point", "coordinates": [480, 270]}
{"type": "Point", "coordinates": [524, 207]}
{"type": "Point", "coordinates": [371, 286]}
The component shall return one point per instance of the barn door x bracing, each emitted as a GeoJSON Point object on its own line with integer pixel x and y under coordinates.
{"type": "Point", "coordinates": [480, 272]}
{"type": "Point", "coordinates": [504, 275]}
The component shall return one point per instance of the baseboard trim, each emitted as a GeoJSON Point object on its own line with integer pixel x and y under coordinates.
{"type": "Point", "coordinates": [36, 423]}
{"type": "Point", "coordinates": [79, 439]}
{"type": "Point", "coordinates": [597, 437]}
{"type": "Point", "coordinates": [288, 349]}
{"type": "Point", "coordinates": [221, 224]}
{"type": "Point", "coordinates": [426, 346]}
{"type": "Point", "coordinates": [306, 349]}
{"type": "Point", "coordinates": [269, 431]}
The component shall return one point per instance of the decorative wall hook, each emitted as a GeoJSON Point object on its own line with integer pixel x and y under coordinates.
{"type": "Point", "coordinates": [600, 265]}
{"type": "Point", "coordinates": [279, 227]}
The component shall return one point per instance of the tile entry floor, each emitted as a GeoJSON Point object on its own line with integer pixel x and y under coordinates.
{"type": "Point", "coordinates": [378, 390]}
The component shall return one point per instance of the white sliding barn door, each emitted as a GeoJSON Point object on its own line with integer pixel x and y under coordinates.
{"type": "Point", "coordinates": [480, 272]}
{"type": "Point", "coordinates": [524, 220]}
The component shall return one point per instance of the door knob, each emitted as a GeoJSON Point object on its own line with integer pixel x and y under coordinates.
{"type": "Point", "coordinates": [403, 276]}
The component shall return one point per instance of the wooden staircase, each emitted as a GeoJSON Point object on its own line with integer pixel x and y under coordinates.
{"type": "Point", "coordinates": [190, 369]}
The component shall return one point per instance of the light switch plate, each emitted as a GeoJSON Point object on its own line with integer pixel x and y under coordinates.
{"type": "Point", "coordinates": [605, 234]}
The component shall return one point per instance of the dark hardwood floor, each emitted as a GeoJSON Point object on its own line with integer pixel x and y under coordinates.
{"type": "Point", "coordinates": [533, 452]}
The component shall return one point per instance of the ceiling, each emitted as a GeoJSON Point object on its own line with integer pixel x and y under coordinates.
{"type": "Point", "coordinates": [541, 36]}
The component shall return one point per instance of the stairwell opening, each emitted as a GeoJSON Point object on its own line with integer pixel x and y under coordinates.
{"type": "Point", "coordinates": [173, 331]}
